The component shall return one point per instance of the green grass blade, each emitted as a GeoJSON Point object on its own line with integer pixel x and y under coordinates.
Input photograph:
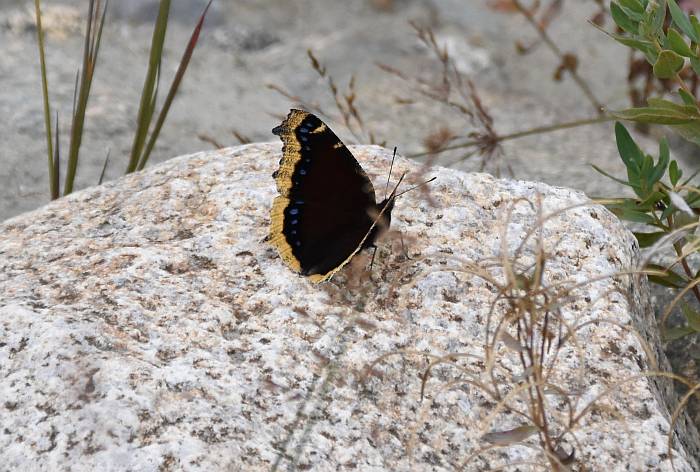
{"type": "Point", "coordinates": [182, 68]}
{"type": "Point", "coordinates": [76, 135]}
{"type": "Point", "coordinates": [75, 92]}
{"type": "Point", "coordinates": [98, 37]}
{"type": "Point", "coordinates": [79, 110]}
{"type": "Point", "coordinates": [104, 167]}
{"type": "Point", "coordinates": [47, 108]}
{"type": "Point", "coordinates": [145, 108]}
{"type": "Point", "coordinates": [56, 175]}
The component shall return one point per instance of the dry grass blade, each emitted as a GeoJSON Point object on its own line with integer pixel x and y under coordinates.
{"type": "Point", "coordinates": [93, 36]}
{"type": "Point", "coordinates": [519, 134]}
{"type": "Point", "coordinates": [148, 92]}
{"type": "Point", "coordinates": [541, 28]}
{"type": "Point", "coordinates": [53, 188]}
{"type": "Point", "coordinates": [210, 140]}
{"type": "Point", "coordinates": [506, 438]}
{"type": "Point", "coordinates": [242, 138]}
{"type": "Point", "coordinates": [531, 325]}
{"type": "Point", "coordinates": [345, 103]}
{"type": "Point", "coordinates": [182, 68]}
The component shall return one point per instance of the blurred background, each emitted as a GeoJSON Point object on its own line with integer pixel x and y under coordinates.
{"type": "Point", "coordinates": [252, 64]}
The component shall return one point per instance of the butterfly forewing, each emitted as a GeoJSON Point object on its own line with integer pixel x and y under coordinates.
{"type": "Point", "coordinates": [323, 211]}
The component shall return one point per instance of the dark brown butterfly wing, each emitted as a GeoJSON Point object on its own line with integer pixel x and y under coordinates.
{"type": "Point", "coordinates": [323, 212]}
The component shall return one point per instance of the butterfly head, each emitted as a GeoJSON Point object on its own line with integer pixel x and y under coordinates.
{"type": "Point", "coordinates": [383, 222]}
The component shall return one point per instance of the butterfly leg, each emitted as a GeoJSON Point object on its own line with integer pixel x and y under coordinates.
{"type": "Point", "coordinates": [371, 263]}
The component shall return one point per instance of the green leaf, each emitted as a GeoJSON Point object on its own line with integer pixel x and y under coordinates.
{"type": "Point", "coordinates": [648, 239]}
{"type": "Point", "coordinates": [659, 16]}
{"type": "Point", "coordinates": [689, 131]}
{"type": "Point", "coordinates": [640, 44]}
{"type": "Point", "coordinates": [695, 64]}
{"type": "Point", "coordinates": [682, 21]}
{"type": "Point", "coordinates": [664, 158]}
{"type": "Point", "coordinates": [633, 5]}
{"type": "Point", "coordinates": [687, 98]}
{"type": "Point", "coordinates": [668, 211]}
{"type": "Point", "coordinates": [668, 279]}
{"type": "Point", "coordinates": [647, 165]}
{"type": "Point", "coordinates": [668, 64]}
{"type": "Point", "coordinates": [633, 204]}
{"type": "Point", "coordinates": [649, 203]}
{"type": "Point", "coordinates": [647, 47]}
{"type": "Point", "coordinates": [629, 151]}
{"type": "Point", "coordinates": [633, 215]}
{"type": "Point", "coordinates": [660, 116]}
{"type": "Point", "coordinates": [632, 156]}
{"type": "Point", "coordinates": [622, 20]}
{"type": "Point", "coordinates": [677, 332]}
{"type": "Point", "coordinates": [696, 24]}
{"type": "Point", "coordinates": [690, 110]}
{"type": "Point", "coordinates": [674, 173]}
{"type": "Point", "coordinates": [620, 181]}
{"type": "Point", "coordinates": [651, 56]}
{"type": "Point", "coordinates": [678, 44]}
{"type": "Point", "coordinates": [692, 316]}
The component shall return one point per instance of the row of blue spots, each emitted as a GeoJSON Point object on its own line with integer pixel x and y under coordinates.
{"type": "Point", "coordinates": [294, 211]}
{"type": "Point", "coordinates": [303, 130]}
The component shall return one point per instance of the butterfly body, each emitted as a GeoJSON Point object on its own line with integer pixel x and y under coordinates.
{"type": "Point", "coordinates": [326, 210]}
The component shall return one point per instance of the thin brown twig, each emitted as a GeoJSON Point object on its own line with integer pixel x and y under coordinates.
{"type": "Point", "coordinates": [518, 134]}
{"type": "Point", "coordinates": [684, 262]}
{"type": "Point", "coordinates": [582, 84]}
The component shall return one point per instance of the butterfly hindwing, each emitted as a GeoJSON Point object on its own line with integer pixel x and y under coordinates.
{"type": "Point", "coordinates": [323, 212]}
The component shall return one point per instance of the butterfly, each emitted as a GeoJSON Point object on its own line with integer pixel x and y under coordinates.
{"type": "Point", "coordinates": [326, 210]}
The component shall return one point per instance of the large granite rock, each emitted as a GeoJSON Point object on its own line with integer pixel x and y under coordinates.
{"type": "Point", "coordinates": [147, 325]}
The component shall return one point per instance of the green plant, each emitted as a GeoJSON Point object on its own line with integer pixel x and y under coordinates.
{"type": "Point", "coordinates": [143, 142]}
{"type": "Point", "coordinates": [93, 35]}
{"type": "Point", "coordinates": [670, 50]}
{"type": "Point", "coordinates": [139, 153]}
{"type": "Point", "coordinates": [670, 209]}
{"type": "Point", "coordinates": [664, 202]}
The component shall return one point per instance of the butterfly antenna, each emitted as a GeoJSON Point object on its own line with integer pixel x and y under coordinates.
{"type": "Point", "coordinates": [415, 187]}
{"type": "Point", "coordinates": [393, 195]}
{"type": "Point", "coordinates": [386, 189]}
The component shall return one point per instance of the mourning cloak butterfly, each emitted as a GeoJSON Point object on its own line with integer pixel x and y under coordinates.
{"type": "Point", "coordinates": [326, 210]}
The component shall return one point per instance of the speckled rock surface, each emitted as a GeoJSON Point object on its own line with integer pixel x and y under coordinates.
{"type": "Point", "coordinates": [147, 325]}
